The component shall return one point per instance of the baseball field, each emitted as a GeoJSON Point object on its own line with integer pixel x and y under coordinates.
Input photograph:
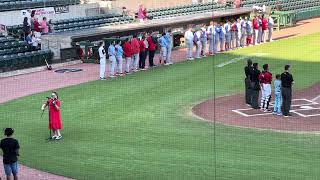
{"type": "Point", "coordinates": [142, 127]}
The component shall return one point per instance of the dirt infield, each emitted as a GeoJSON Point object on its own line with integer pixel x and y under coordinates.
{"type": "Point", "coordinates": [232, 110]}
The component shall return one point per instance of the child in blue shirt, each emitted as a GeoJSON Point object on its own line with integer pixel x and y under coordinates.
{"type": "Point", "coordinates": [278, 96]}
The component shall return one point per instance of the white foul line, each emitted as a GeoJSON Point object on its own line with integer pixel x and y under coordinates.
{"type": "Point", "coordinates": [231, 61]}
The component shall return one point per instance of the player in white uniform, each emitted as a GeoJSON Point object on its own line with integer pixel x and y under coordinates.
{"type": "Point", "coordinates": [188, 36]}
{"type": "Point", "coordinates": [102, 55]}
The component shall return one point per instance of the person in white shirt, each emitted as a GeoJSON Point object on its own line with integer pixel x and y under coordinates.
{"type": "Point", "coordinates": [210, 32]}
{"type": "Point", "coordinates": [102, 55]}
{"type": "Point", "coordinates": [189, 42]}
{"type": "Point", "coordinates": [270, 28]}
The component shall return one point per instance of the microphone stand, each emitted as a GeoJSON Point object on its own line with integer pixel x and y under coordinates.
{"type": "Point", "coordinates": [50, 135]}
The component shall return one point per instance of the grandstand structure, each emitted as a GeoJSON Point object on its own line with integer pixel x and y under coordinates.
{"type": "Point", "coordinates": [86, 22]}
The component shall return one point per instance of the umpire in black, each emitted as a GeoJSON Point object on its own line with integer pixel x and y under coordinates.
{"type": "Point", "coordinates": [255, 86]}
{"type": "Point", "coordinates": [286, 85]}
{"type": "Point", "coordinates": [247, 81]}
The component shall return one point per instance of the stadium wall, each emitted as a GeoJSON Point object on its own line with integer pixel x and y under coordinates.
{"type": "Point", "coordinates": [10, 18]}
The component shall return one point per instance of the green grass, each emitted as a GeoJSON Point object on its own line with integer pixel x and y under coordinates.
{"type": "Point", "coordinates": [139, 127]}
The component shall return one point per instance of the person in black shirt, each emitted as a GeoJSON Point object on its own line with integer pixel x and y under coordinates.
{"type": "Point", "coordinates": [286, 90]}
{"type": "Point", "coordinates": [10, 148]}
{"type": "Point", "coordinates": [247, 82]}
{"type": "Point", "coordinates": [255, 86]}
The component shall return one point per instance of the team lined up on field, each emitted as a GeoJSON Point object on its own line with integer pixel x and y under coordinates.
{"type": "Point", "coordinates": [219, 36]}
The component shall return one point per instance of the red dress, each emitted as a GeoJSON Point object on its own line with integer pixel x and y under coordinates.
{"type": "Point", "coordinates": [54, 115]}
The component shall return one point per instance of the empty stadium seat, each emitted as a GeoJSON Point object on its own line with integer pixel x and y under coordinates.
{"type": "Point", "coordinates": [9, 5]}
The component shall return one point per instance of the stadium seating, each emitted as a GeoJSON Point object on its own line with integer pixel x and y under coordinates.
{"type": "Point", "coordinates": [292, 5]}
{"type": "Point", "coordinates": [16, 55]}
{"type": "Point", "coordinates": [10, 5]}
{"type": "Point", "coordinates": [90, 22]}
{"type": "Point", "coordinates": [184, 10]}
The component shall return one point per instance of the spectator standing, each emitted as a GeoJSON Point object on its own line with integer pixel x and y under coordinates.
{"type": "Point", "coordinates": [169, 39]}
{"type": "Point", "coordinates": [10, 148]}
{"type": "Point", "coordinates": [265, 79]}
{"type": "Point", "coordinates": [264, 29]}
{"type": "Point", "coordinates": [152, 48]}
{"type": "Point", "coordinates": [141, 14]}
{"type": "Point", "coordinates": [270, 28]}
{"type": "Point", "coordinates": [203, 39]}
{"type": "Point", "coordinates": [37, 26]}
{"type": "Point", "coordinates": [286, 85]}
{"type": "Point", "coordinates": [119, 57]}
{"type": "Point", "coordinates": [255, 86]}
{"type": "Point", "coordinates": [112, 58]}
{"type": "Point", "coordinates": [32, 21]}
{"type": "Point", "coordinates": [278, 96]}
{"type": "Point", "coordinates": [188, 36]}
{"type": "Point", "coordinates": [210, 32]}
{"type": "Point", "coordinates": [142, 54]}
{"type": "Point", "coordinates": [127, 51]}
{"type": "Point", "coordinates": [102, 56]}
{"type": "Point", "coordinates": [247, 81]}
{"type": "Point", "coordinates": [44, 26]}
{"type": "Point", "coordinates": [197, 42]}
{"type": "Point", "coordinates": [26, 27]}
{"type": "Point", "coordinates": [255, 24]}
{"type": "Point", "coordinates": [135, 51]}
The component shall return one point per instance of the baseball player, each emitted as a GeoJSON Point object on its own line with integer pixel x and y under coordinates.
{"type": "Point", "coordinates": [163, 45]}
{"type": "Point", "coordinates": [249, 32]}
{"type": "Point", "coordinates": [227, 28]}
{"type": "Point", "coordinates": [238, 35]}
{"type": "Point", "coordinates": [233, 34]}
{"type": "Point", "coordinates": [135, 51]}
{"type": "Point", "coordinates": [222, 37]}
{"type": "Point", "coordinates": [264, 29]}
{"type": "Point", "coordinates": [169, 39]}
{"type": "Point", "coordinates": [203, 39]}
{"type": "Point", "coordinates": [265, 79]}
{"type": "Point", "coordinates": [270, 28]}
{"type": "Point", "coordinates": [119, 54]}
{"type": "Point", "coordinates": [102, 55]}
{"type": "Point", "coordinates": [255, 25]}
{"type": "Point", "coordinates": [197, 42]}
{"type": "Point", "coordinates": [217, 37]}
{"type": "Point", "coordinates": [112, 58]}
{"type": "Point", "coordinates": [188, 36]}
{"type": "Point", "coordinates": [243, 32]}
{"type": "Point", "coordinates": [260, 30]}
{"type": "Point", "coordinates": [127, 51]}
{"type": "Point", "coordinates": [210, 34]}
